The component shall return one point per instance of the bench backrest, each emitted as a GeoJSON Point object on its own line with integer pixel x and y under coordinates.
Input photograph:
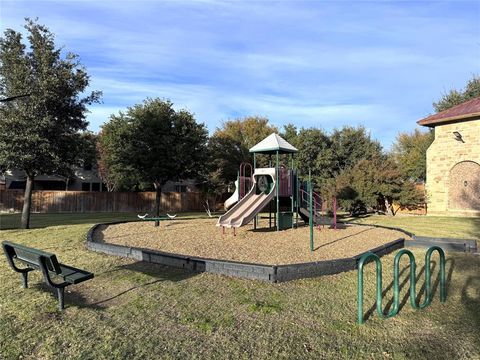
{"type": "Point", "coordinates": [31, 256]}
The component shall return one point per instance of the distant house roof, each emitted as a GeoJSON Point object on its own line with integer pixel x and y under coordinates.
{"type": "Point", "coordinates": [273, 143]}
{"type": "Point", "coordinates": [469, 110]}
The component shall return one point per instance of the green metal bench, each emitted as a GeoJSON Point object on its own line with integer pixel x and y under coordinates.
{"type": "Point", "coordinates": [48, 264]}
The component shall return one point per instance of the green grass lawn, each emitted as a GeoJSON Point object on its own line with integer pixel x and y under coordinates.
{"type": "Point", "coordinates": [12, 221]}
{"type": "Point", "coordinates": [439, 226]}
{"type": "Point", "coordinates": [137, 310]}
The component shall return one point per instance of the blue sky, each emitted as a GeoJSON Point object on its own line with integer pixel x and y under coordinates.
{"type": "Point", "coordinates": [312, 63]}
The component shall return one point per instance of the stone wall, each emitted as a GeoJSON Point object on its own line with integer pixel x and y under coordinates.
{"type": "Point", "coordinates": [453, 170]}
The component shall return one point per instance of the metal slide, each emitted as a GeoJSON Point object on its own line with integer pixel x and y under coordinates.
{"type": "Point", "coordinates": [250, 205]}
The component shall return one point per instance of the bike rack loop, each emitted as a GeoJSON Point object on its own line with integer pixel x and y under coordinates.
{"type": "Point", "coordinates": [396, 282]}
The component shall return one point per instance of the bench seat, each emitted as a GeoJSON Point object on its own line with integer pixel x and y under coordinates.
{"type": "Point", "coordinates": [73, 275]}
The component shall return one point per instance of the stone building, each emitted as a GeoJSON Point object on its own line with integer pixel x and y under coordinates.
{"type": "Point", "coordinates": [453, 161]}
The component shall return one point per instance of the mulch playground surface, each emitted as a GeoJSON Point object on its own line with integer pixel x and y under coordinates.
{"type": "Point", "coordinates": [201, 238]}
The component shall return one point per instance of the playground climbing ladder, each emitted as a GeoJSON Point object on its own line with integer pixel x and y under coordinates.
{"type": "Point", "coordinates": [396, 282]}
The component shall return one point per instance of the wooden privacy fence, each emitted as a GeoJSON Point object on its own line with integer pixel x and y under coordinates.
{"type": "Point", "coordinates": [86, 201]}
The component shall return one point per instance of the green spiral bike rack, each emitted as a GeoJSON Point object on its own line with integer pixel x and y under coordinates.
{"type": "Point", "coordinates": [396, 281]}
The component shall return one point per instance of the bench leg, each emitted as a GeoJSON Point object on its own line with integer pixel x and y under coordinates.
{"type": "Point", "coordinates": [60, 293]}
{"type": "Point", "coordinates": [25, 279]}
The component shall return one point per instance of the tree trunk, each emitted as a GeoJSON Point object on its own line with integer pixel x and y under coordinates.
{"type": "Point", "coordinates": [388, 207]}
{"type": "Point", "coordinates": [158, 196]}
{"type": "Point", "coordinates": [27, 203]}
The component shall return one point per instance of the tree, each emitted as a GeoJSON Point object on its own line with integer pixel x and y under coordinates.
{"type": "Point", "coordinates": [114, 149]}
{"type": "Point", "coordinates": [40, 133]}
{"type": "Point", "coordinates": [455, 97]}
{"type": "Point", "coordinates": [229, 147]}
{"type": "Point", "coordinates": [88, 150]}
{"type": "Point", "coordinates": [151, 142]}
{"type": "Point", "coordinates": [314, 154]}
{"type": "Point", "coordinates": [350, 145]}
{"type": "Point", "coordinates": [290, 133]}
{"type": "Point", "coordinates": [329, 155]}
{"type": "Point", "coordinates": [409, 151]}
{"type": "Point", "coordinates": [375, 183]}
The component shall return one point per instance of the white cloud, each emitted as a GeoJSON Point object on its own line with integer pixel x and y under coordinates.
{"type": "Point", "coordinates": [313, 63]}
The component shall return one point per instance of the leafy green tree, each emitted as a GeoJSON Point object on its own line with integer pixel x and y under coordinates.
{"type": "Point", "coordinates": [88, 150]}
{"type": "Point", "coordinates": [290, 133]}
{"type": "Point", "coordinates": [115, 167]}
{"type": "Point", "coordinates": [409, 151]}
{"type": "Point", "coordinates": [375, 183]}
{"type": "Point", "coordinates": [315, 154]}
{"type": "Point", "coordinates": [455, 97]}
{"type": "Point", "coordinates": [328, 155]}
{"type": "Point", "coordinates": [350, 145]}
{"type": "Point", "coordinates": [229, 147]}
{"type": "Point", "coordinates": [153, 143]}
{"type": "Point", "coordinates": [40, 134]}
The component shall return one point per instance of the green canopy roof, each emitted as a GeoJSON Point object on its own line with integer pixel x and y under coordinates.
{"type": "Point", "coordinates": [273, 143]}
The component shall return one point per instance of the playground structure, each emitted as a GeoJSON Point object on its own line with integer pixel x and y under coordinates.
{"type": "Point", "coordinates": [396, 281]}
{"type": "Point", "coordinates": [274, 187]}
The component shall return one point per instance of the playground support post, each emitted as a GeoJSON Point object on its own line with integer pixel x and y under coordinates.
{"type": "Point", "coordinates": [292, 193]}
{"type": "Point", "coordinates": [297, 197]}
{"type": "Point", "coordinates": [334, 203]}
{"type": "Point", "coordinates": [396, 282]}
{"type": "Point", "coordinates": [239, 185]}
{"type": "Point", "coordinates": [310, 209]}
{"type": "Point", "coordinates": [277, 190]}
{"type": "Point", "coordinates": [270, 215]}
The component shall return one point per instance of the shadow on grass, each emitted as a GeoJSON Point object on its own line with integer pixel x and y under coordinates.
{"type": "Point", "coordinates": [159, 272]}
{"type": "Point", "coordinates": [449, 266]}
{"type": "Point", "coordinates": [471, 298]}
{"type": "Point", "coordinates": [454, 348]}
{"type": "Point", "coordinates": [75, 297]}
